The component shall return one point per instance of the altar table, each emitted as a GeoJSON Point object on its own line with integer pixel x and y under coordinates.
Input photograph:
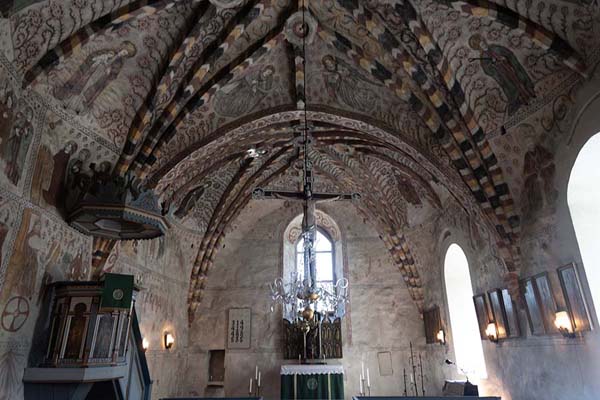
{"type": "Point", "coordinates": [303, 382]}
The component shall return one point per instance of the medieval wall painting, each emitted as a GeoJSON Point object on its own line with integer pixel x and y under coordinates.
{"type": "Point", "coordinates": [89, 80]}
{"type": "Point", "coordinates": [349, 85]}
{"type": "Point", "coordinates": [66, 158]}
{"type": "Point", "coordinates": [17, 119]}
{"type": "Point", "coordinates": [44, 251]}
{"type": "Point", "coordinates": [501, 64]}
{"type": "Point", "coordinates": [242, 95]}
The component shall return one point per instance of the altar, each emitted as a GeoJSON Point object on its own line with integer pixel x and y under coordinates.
{"type": "Point", "coordinates": [312, 382]}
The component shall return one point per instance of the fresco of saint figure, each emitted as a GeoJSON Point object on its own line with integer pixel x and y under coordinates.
{"type": "Point", "coordinates": [99, 69]}
{"type": "Point", "coordinates": [14, 150]}
{"type": "Point", "coordinates": [77, 271]}
{"type": "Point", "coordinates": [502, 65]}
{"type": "Point", "coordinates": [189, 201]}
{"type": "Point", "coordinates": [244, 94]}
{"type": "Point", "coordinates": [348, 85]}
{"type": "Point", "coordinates": [59, 172]}
{"type": "Point", "coordinates": [539, 171]}
{"type": "Point", "coordinates": [23, 265]}
{"type": "Point", "coordinates": [7, 108]}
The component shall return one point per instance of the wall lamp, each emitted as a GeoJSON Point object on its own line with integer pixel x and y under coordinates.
{"type": "Point", "coordinates": [441, 337]}
{"type": "Point", "coordinates": [145, 344]}
{"type": "Point", "coordinates": [562, 321]}
{"type": "Point", "coordinates": [169, 340]}
{"type": "Point", "coordinates": [492, 332]}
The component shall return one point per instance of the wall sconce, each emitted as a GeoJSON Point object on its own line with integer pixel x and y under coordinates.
{"type": "Point", "coordinates": [441, 337]}
{"type": "Point", "coordinates": [169, 340]}
{"type": "Point", "coordinates": [492, 332]}
{"type": "Point", "coordinates": [563, 324]}
{"type": "Point", "coordinates": [145, 344]}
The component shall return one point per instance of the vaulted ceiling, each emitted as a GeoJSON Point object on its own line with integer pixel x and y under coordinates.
{"type": "Point", "coordinates": [411, 102]}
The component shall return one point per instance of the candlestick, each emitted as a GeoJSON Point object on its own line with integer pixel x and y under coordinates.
{"type": "Point", "coordinates": [368, 379]}
{"type": "Point", "coordinates": [258, 379]}
{"type": "Point", "coordinates": [256, 373]}
{"type": "Point", "coordinates": [250, 388]}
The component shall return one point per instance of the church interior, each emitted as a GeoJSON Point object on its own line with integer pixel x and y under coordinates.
{"type": "Point", "coordinates": [299, 199]}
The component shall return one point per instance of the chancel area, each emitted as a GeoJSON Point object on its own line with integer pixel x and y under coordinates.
{"type": "Point", "coordinates": [299, 199]}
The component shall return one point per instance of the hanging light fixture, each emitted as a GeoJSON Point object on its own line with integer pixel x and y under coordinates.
{"type": "Point", "coordinates": [302, 296]}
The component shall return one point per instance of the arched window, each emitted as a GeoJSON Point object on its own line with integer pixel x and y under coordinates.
{"type": "Point", "coordinates": [583, 198]}
{"type": "Point", "coordinates": [324, 259]}
{"type": "Point", "coordinates": [463, 320]}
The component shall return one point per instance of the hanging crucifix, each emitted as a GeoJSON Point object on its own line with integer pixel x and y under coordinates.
{"type": "Point", "coordinates": [309, 199]}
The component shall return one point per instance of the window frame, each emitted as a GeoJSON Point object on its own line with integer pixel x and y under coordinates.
{"type": "Point", "coordinates": [331, 252]}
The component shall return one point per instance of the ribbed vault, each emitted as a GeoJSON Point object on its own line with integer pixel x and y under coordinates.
{"type": "Point", "coordinates": [406, 100]}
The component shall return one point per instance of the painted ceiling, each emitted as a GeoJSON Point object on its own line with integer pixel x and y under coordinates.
{"type": "Point", "coordinates": [411, 102]}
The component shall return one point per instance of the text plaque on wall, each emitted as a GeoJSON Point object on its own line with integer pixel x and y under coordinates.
{"type": "Point", "coordinates": [239, 328]}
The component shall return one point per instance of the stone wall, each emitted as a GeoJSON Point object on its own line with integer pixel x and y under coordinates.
{"type": "Point", "coordinates": [548, 367]}
{"type": "Point", "coordinates": [382, 316]}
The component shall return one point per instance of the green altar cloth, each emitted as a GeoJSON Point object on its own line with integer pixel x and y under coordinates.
{"type": "Point", "coordinates": [304, 382]}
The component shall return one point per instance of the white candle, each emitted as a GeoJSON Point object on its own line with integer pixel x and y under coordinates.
{"type": "Point", "coordinates": [362, 369]}
{"type": "Point", "coordinates": [250, 388]}
{"type": "Point", "coordinates": [368, 379]}
{"type": "Point", "coordinates": [256, 373]}
{"type": "Point", "coordinates": [258, 378]}
{"type": "Point", "coordinates": [360, 384]}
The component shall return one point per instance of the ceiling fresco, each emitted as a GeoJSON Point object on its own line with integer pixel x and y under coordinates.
{"type": "Point", "coordinates": [413, 104]}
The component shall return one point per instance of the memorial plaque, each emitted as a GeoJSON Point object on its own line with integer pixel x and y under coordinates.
{"type": "Point", "coordinates": [239, 328]}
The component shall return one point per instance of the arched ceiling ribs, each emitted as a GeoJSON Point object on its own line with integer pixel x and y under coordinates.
{"type": "Point", "coordinates": [404, 170]}
{"type": "Point", "coordinates": [32, 40]}
{"type": "Point", "coordinates": [189, 157]}
{"type": "Point", "coordinates": [216, 164]}
{"type": "Point", "coordinates": [199, 93]}
{"type": "Point", "coordinates": [212, 34]}
{"type": "Point", "coordinates": [105, 25]}
{"type": "Point", "coordinates": [222, 217]}
{"type": "Point", "coordinates": [504, 199]}
{"type": "Point", "coordinates": [437, 100]}
{"type": "Point", "coordinates": [538, 34]}
{"type": "Point", "coordinates": [495, 200]}
{"type": "Point", "coordinates": [393, 239]}
{"type": "Point", "coordinates": [482, 160]}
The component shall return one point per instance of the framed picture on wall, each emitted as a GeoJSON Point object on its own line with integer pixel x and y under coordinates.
{"type": "Point", "coordinates": [574, 299]}
{"type": "Point", "coordinates": [512, 318]}
{"type": "Point", "coordinates": [433, 324]}
{"type": "Point", "coordinates": [534, 313]}
{"type": "Point", "coordinates": [498, 313]}
{"type": "Point", "coordinates": [540, 304]}
{"type": "Point", "coordinates": [483, 314]}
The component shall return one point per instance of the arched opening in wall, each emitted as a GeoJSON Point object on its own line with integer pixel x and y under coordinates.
{"type": "Point", "coordinates": [583, 199]}
{"type": "Point", "coordinates": [463, 320]}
